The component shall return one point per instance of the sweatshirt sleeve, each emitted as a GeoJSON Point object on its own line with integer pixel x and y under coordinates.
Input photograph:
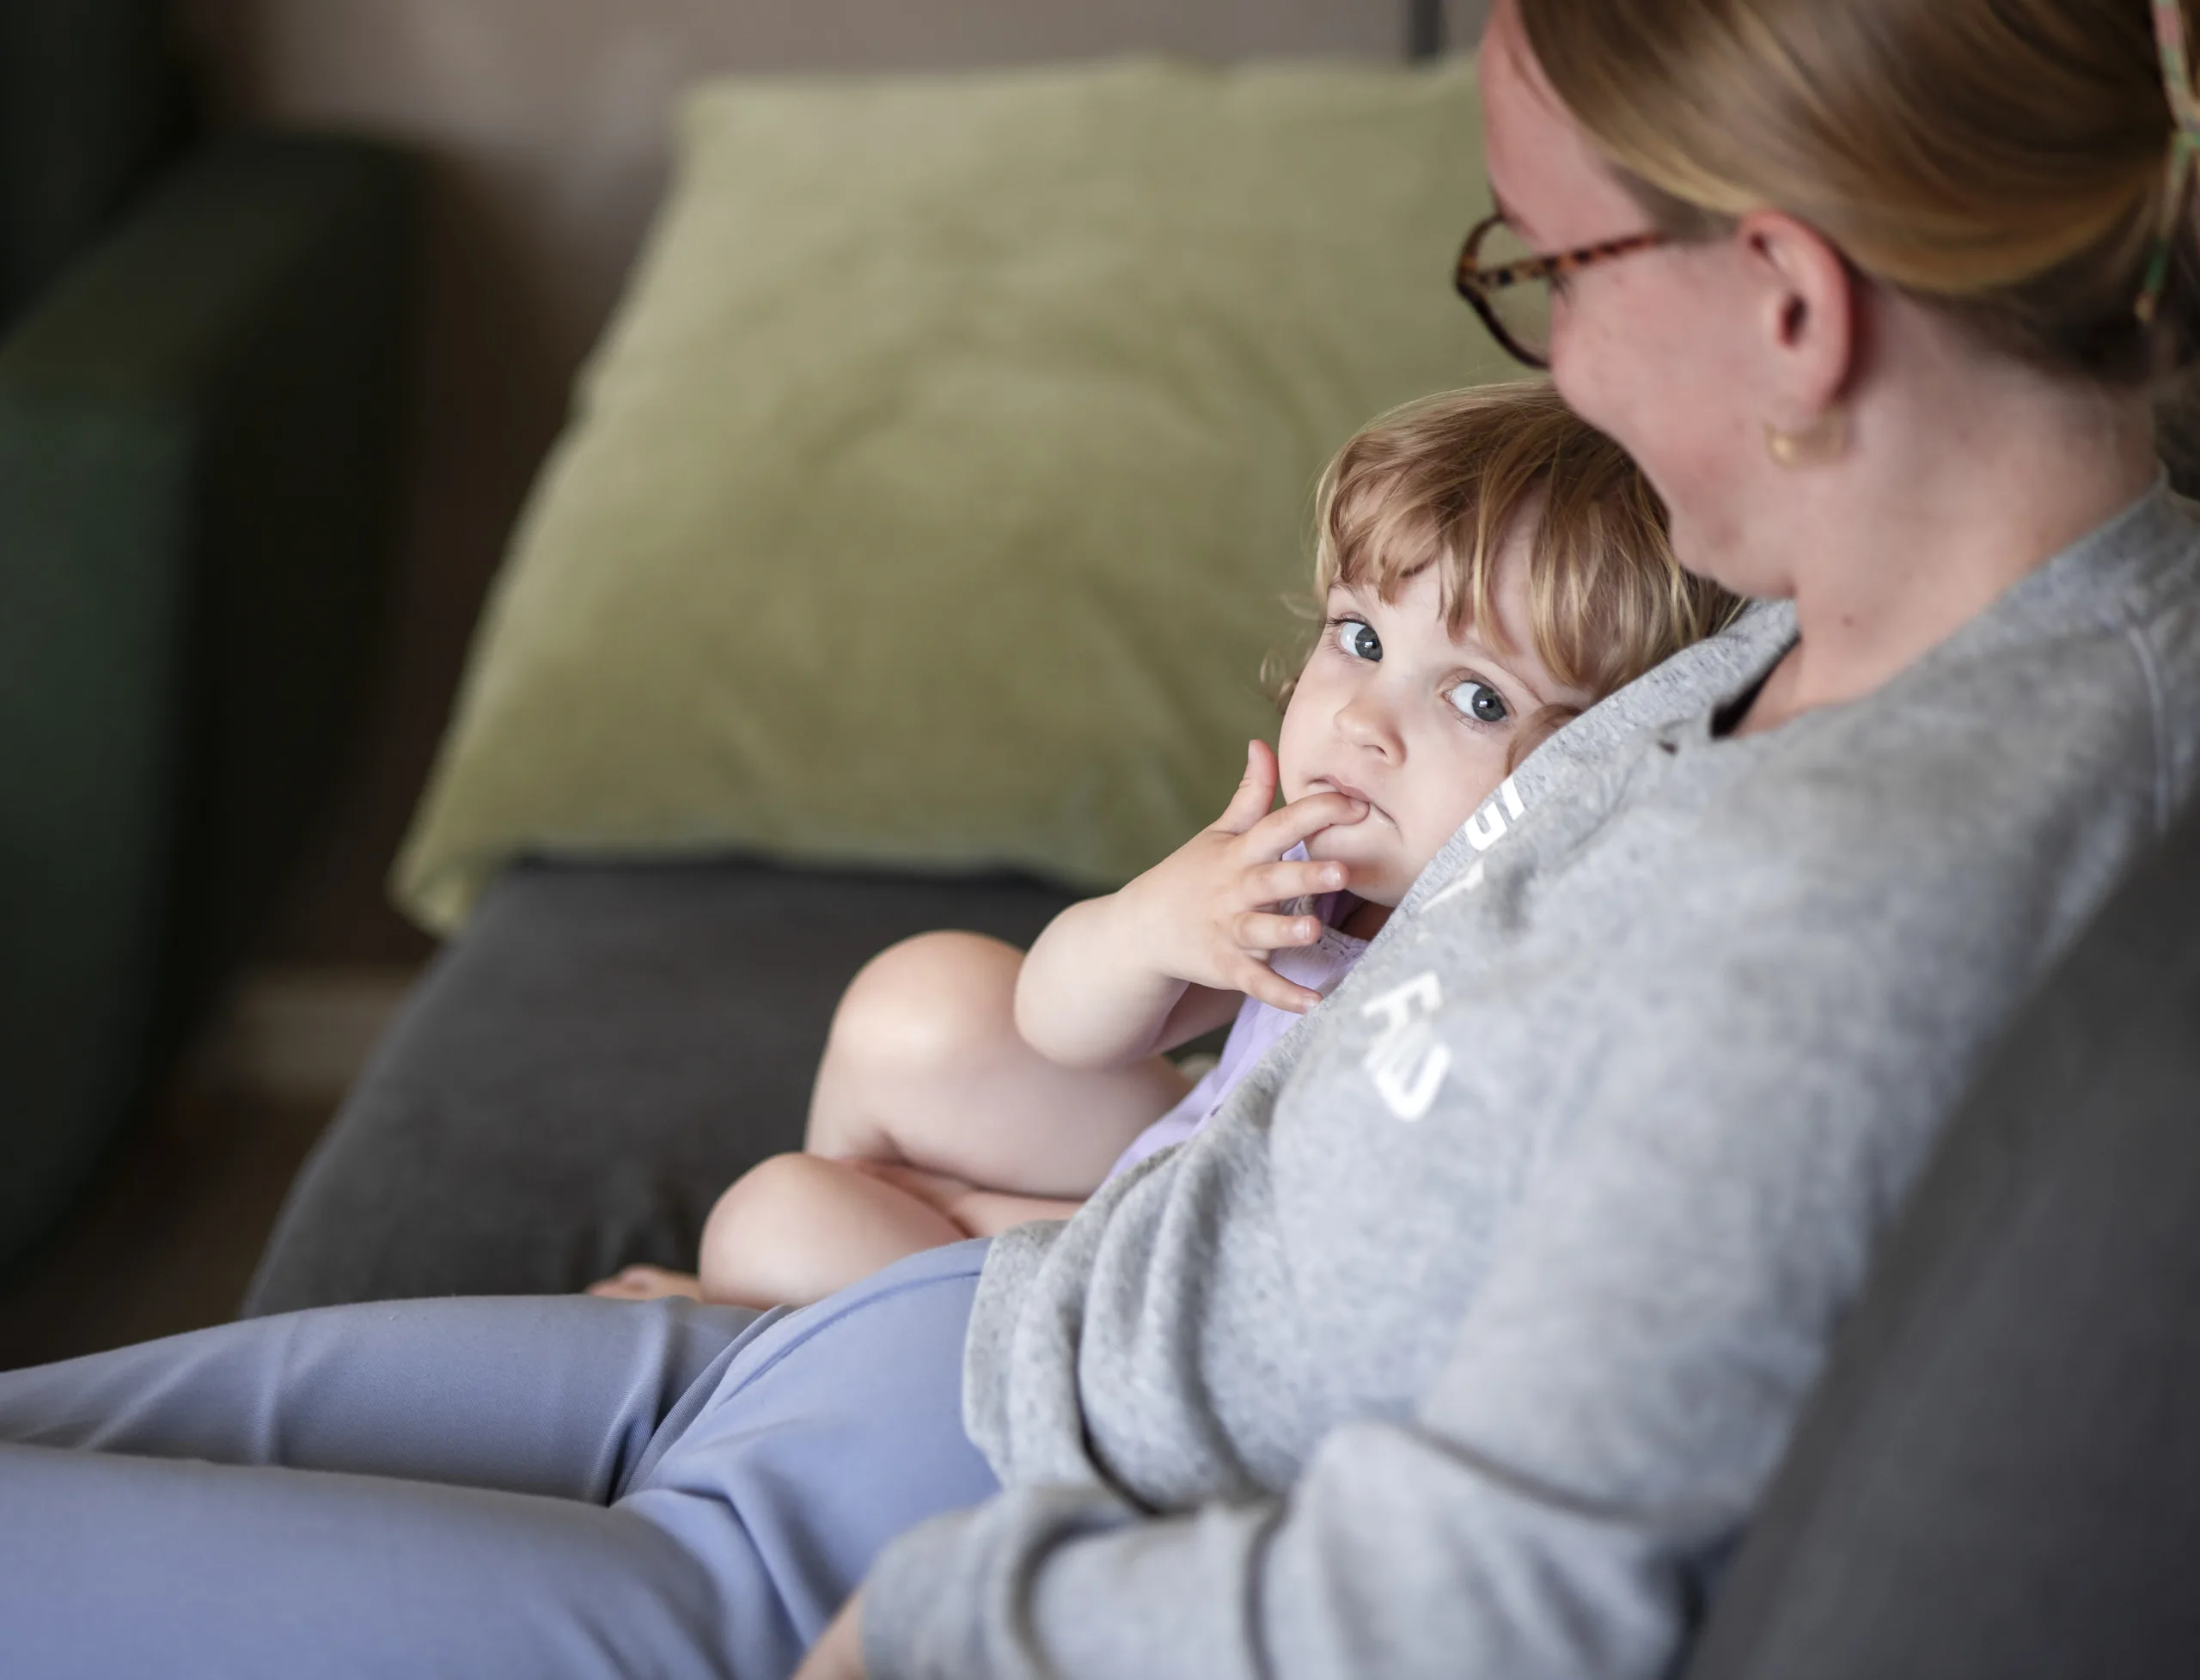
{"type": "Point", "coordinates": [1398, 1553]}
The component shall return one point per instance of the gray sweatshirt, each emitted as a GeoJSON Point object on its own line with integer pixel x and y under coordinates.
{"type": "Point", "coordinates": [1464, 1339]}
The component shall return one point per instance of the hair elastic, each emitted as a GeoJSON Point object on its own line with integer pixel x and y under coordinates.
{"type": "Point", "coordinates": [2184, 149]}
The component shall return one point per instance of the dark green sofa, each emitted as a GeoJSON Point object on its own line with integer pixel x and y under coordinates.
{"type": "Point", "coordinates": [200, 356]}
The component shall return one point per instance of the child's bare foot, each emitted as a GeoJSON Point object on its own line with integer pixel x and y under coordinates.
{"type": "Point", "coordinates": [648, 1283]}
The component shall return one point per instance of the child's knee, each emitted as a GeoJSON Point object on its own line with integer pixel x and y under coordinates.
{"type": "Point", "coordinates": [756, 1211]}
{"type": "Point", "coordinates": [927, 1004]}
{"type": "Point", "coordinates": [797, 1227]}
{"type": "Point", "coordinates": [775, 1182]}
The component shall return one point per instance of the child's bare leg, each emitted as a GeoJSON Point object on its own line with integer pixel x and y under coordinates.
{"type": "Point", "coordinates": [923, 1067]}
{"type": "Point", "coordinates": [798, 1227]}
{"type": "Point", "coordinates": [945, 1125]}
{"type": "Point", "coordinates": [795, 1228]}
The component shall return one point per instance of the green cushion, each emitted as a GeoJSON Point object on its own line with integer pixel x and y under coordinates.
{"type": "Point", "coordinates": [934, 498]}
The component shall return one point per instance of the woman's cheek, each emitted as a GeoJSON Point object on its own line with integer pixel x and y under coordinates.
{"type": "Point", "coordinates": [1577, 377]}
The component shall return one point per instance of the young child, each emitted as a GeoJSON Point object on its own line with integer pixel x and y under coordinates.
{"type": "Point", "coordinates": [1488, 567]}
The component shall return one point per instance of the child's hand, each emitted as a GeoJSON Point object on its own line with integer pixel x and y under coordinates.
{"type": "Point", "coordinates": [1205, 914]}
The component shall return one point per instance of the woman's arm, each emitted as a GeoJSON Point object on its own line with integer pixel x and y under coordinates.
{"type": "Point", "coordinates": [1168, 957]}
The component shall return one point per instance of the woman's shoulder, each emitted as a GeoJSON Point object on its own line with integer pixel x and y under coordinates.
{"type": "Point", "coordinates": [2081, 687]}
{"type": "Point", "coordinates": [1989, 796]}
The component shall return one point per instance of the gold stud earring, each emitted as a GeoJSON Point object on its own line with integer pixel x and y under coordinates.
{"type": "Point", "coordinates": [1822, 440]}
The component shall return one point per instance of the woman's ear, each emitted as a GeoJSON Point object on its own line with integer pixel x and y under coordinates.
{"type": "Point", "coordinates": [1805, 303]}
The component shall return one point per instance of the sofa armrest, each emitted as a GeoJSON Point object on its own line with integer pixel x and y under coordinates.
{"type": "Point", "coordinates": [196, 427]}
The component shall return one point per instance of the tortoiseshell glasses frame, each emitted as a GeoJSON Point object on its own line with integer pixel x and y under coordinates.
{"type": "Point", "coordinates": [1480, 286]}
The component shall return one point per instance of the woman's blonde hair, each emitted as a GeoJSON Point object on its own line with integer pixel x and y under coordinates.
{"type": "Point", "coordinates": [2004, 159]}
{"type": "Point", "coordinates": [1441, 483]}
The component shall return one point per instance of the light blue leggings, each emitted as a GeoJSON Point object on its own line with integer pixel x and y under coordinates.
{"type": "Point", "coordinates": [480, 1488]}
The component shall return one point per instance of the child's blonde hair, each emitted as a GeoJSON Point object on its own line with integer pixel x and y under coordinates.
{"type": "Point", "coordinates": [1442, 482]}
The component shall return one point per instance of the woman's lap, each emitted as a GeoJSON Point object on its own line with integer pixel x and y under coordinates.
{"type": "Point", "coordinates": [526, 1487]}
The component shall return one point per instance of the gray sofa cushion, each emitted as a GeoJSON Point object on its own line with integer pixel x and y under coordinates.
{"type": "Point", "coordinates": [580, 1074]}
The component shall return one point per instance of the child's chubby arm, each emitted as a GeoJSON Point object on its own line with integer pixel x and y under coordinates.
{"type": "Point", "coordinates": [1171, 955]}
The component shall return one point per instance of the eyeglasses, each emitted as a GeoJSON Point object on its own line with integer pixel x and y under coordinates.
{"type": "Point", "coordinates": [1509, 285]}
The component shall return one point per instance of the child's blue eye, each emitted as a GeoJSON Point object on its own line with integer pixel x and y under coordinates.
{"type": "Point", "coordinates": [1359, 640]}
{"type": "Point", "coordinates": [1481, 702]}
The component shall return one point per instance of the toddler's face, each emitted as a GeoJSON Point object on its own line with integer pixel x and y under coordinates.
{"type": "Point", "coordinates": [1390, 710]}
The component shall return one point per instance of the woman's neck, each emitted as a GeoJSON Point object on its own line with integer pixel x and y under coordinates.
{"type": "Point", "coordinates": [1964, 475]}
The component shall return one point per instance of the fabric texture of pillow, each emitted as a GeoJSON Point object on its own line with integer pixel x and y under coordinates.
{"type": "Point", "coordinates": [937, 494]}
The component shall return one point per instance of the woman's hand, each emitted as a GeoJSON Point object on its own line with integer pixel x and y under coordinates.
{"type": "Point", "coordinates": [838, 1654]}
{"type": "Point", "coordinates": [1206, 914]}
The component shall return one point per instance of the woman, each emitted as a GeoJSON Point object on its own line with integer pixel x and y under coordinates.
{"type": "Point", "coordinates": [1464, 1342]}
